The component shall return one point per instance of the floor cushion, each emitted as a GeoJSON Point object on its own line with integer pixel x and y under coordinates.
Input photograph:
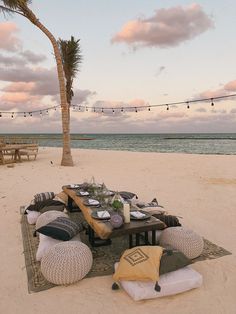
{"type": "Point", "coordinates": [183, 239]}
{"type": "Point", "coordinates": [47, 217]}
{"type": "Point", "coordinates": [66, 262]}
{"type": "Point", "coordinates": [171, 283]}
{"type": "Point", "coordinates": [32, 216]}
{"type": "Point", "coordinates": [45, 243]}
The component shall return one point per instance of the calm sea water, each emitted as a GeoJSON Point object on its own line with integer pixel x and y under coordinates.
{"type": "Point", "coordinates": [163, 143]}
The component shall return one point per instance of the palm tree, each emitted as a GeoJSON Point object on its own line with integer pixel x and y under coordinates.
{"type": "Point", "coordinates": [71, 58]}
{"type": "Point", "coordinates": [21, 7]}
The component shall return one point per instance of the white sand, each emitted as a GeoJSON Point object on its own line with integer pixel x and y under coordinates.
{"type": "Point", "coordinates": [200, 188]}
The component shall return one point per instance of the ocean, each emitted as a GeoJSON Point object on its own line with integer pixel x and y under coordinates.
{"type": "Point", "coordinates": [189, 143]}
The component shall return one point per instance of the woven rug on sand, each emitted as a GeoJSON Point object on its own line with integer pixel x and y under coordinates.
{"type": "Point", "coordinates": [104, 257]}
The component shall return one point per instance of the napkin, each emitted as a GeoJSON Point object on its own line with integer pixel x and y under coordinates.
{"type": "Point", "coordinates": [137, 214]}
{"type": "Point", "coordinates": [93, 202]}
{"type": "Point", "coordinates": [103, 214]}
{"type": "Point", "coordinates": [74, 185]}
{"type": "Point", "coordinates": [84, 193]}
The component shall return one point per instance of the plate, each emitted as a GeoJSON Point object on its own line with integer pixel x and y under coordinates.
{"type": "Point", "coordinates": [73, 186]}
{"type": "Point", "coordinates": [87, 203]}
{"type": "Point", "coordinates": [95, 216]}
{"type": "Point", "coordinates": [82, 193]}
{"type": "Point", "coordinates": [147, 215]}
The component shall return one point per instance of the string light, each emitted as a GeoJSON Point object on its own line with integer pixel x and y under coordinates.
{"type": "Point", "coordinates": [12, 115]}
{"type": "Point", "coordinates": [98, 109]}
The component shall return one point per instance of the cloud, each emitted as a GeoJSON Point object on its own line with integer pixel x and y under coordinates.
{"type": "Point", "coordinates": [82, 96]}
{"type": "Point", "coordinates": [19, 87]}
{"type": "Point", "coordinates": [230, 86]}
{"type": "Point", "coordinates": [8, 40]}
{"type": "Point", "coordinates": [166, 28]}
{"type": "Point", "coordinates": [11, 61]}
{"type": "Point", "coordinates": [33, 57]}
{"type": "Point", "coordinates": [201, 110]}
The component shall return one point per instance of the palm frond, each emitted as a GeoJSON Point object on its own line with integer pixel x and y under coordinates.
{"type": "Point", "coordinates": [9, 7]}
{"type": "Point", "coordinates": [71, 58]}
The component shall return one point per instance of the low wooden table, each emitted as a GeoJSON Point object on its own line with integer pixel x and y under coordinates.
{"type": "Point", "coordinates": [12, 150]}
{"type": "Point", "coordinates": [104, 230]}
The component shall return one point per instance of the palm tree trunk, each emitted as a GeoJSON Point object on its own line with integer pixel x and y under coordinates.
{"type": "Point", "coordinates": [66, 155]}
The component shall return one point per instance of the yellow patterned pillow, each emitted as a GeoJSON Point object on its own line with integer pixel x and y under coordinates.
{"type": "Point", "coordinates": [139, 263]}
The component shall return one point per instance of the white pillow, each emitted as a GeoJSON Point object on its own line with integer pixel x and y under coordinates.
{"type": "Point", "coordinates": [45, 243]}
{"type": "Point", "coordinates": [32, 216]}
{"type": "Point", "coordinates": [171, 283]}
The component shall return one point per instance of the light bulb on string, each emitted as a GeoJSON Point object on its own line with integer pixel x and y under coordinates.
{"type": "Point", "coordinates": [0, 114]}
{"type": "Point", "coordinates": [149, 109]}
{"type": "Point", "coordinates": [31, 114]}
{"type": "Point", "coordinates": [24, 115]}
{"type": "Point", "coordinates": [113, 111]}
{"type": "Point", "coordinates": [136, 110]}
{"type": "Point", "coordinates": [55, 108]}
{"type": "Point", "coordinates": [212, 103]}
{"type": "Point", "coordinates": [167, 108]}
{"type": "Point", "coordinates": [41, 113]}
{"type": "Point", "coordinates": [187, 105]}
{"type": "Point", "coordinates": [122, 110]}
{"type": "Point", "coordinates": [102, 110]}
{"type": "Point", "coordinates": [79, 108]}
{"type": "Point", "coordinates": [12, 115]}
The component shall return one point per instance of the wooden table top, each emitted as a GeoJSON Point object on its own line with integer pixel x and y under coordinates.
{"type": "Point", "coordinates": [104, 229]}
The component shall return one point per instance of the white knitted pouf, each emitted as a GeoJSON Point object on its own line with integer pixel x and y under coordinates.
{"type": "Point", "coordinates": [185, 240]}
{"type": "Point", "coordinates": [47, 217]}
{"type": "Point", "coordinates": [66, 262]}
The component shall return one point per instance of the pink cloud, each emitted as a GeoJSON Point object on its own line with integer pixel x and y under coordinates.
{"type": "Point", "coordinates": [19, 87]}
{"type": "Point", "coordinates": [230, 86]}
{"type": "Point", "coordinates": [8, 40]}
{"type": "Point", "coordinates": [166, 28]}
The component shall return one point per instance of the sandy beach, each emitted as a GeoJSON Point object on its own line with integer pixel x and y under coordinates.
{"type": "Point", "coordinates": [199, 188]}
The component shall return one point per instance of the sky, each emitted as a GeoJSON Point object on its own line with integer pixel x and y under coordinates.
{"type": "Point", "coordinates": [134, 53]}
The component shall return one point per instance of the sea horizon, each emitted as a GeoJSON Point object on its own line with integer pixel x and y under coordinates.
{"type": "Point", "coordinates": [189, 143]}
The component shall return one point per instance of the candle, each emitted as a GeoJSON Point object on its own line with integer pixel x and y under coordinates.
{"type": "Point", "coordinates": [126, 208]}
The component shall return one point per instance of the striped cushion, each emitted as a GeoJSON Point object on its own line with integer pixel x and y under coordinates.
{"type": "Point", "coordinates": [40, 197]}
{"type": "Point", "coordinates": [62, 228]}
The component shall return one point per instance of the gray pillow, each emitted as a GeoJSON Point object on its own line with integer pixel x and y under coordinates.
{"type": "Point", "coordinates": [62, 228]}
{"type": "Point", "coordinates": [172, 260]}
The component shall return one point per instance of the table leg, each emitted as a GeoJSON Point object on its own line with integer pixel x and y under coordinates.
{"type": "Point", "coordinates": [153, 237]}
{"type": "Point", "coordinates": [146, 237]}
{"type": "Point", "coordinates": [137, 239]}
{"type": "Point", "coordinates": [130, 241]}
{"type": "Point", "coordinates": [95, 241]}
{"type": "Point", "coordinates": [70, 200]}
{"type": "Point", "coordinates": [2, 158]}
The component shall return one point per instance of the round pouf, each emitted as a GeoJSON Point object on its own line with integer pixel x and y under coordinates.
{"type": "Point", "coordinates": [66, 262]}
{"type": "Point", "coordinates": [47, 217]}
{"type": "Point", "coordinates": [182, 239]}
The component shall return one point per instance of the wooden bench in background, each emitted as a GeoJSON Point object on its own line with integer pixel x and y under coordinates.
{"type": "Point", "coordinates": [31, 150]}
